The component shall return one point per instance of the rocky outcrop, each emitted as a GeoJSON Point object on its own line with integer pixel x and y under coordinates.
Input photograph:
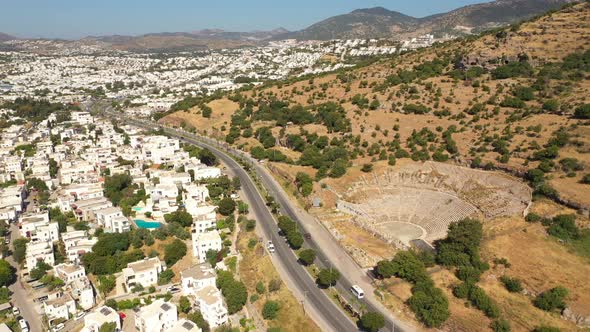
{"type": "Point", "coordinates": [580, 320]}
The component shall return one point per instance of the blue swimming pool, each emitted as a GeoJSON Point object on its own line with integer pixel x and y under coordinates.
{"type": "Point", "coordinates": [147, 224]}
{"type": "Point", "coordinates": [137, 208]}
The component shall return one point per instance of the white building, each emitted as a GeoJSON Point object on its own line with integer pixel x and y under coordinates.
{"type": "Point", "coordinates": [101, 316]}
{"type": "Point", "coordinates": [69, 272]}
{"type": "Point", "coordinates": [39, 251]}
{"type": "Point", "coordinates": [156, 317]}
{"type": "Point", "coordinates": [59, 305]}
{"type": "Point", "coordinates": [212, 307]}
{"type": "Point", "coordinates": [82, 118]}
{"type": "Point", "coordinates": [183, 325]}
{"type": "Point", "coordinates": [161, 149]}
{"type": "Point", "coordinates": [203, 242]}
{"type": "Point", "coordinates": [83, 293]}
{"type": "Point", "coordinates": [144, 272]}
{"type": "Point", "coordinates": [197, 278]}
{"type": "Point", "coordinates": [38, 228]}
{"type": "Point", "coordinates": [113, 220]}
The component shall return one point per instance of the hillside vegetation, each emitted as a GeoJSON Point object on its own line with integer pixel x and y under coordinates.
{"type": "Point", "coordinates": [514, 99]}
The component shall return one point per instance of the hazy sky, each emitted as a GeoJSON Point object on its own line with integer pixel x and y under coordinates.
{"type": "Point", "coordinates": [78, 18]}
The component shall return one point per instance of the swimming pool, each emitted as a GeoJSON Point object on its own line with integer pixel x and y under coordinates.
{"type": "Point", "coordinates": [147, 224]}
{"type": "Point", "coordinates": [137, 208]}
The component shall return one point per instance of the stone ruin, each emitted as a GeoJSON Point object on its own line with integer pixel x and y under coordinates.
{"type": "Point", "coordinates": [420, 201]}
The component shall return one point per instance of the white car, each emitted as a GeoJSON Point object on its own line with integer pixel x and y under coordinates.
{"type": "Point", "coordinates": [15, 311]}
{"type": "Point", "coordinates": [271, 247]}
{"type": "Point", "coordinates": [80, 315]}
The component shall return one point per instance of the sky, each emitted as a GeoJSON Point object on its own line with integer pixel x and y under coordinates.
{"type": "Point", "coordinates": [80, 18]}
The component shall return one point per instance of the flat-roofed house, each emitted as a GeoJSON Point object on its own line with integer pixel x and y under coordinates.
{"type": "Point", "coordinates": [212, 307]}
{"type": "Point", "coordinates": [102, 315]}
{"type": "Point", "coordinates": [144, 272]}
{"type": "Point", "coordinates": [159, 316]}
{"type": "Point", "coordinates": [183, 325]}
{"type": "Point", "coordinates": [59, 305]}
{"type": "Point", "coordinates": [39, 251]}
{"type": "Point", "coordinates": [203, 242]}
{"type": "Point", "coordinates": [196, 278]}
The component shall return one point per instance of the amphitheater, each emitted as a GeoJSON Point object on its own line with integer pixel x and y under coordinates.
{"type": "Point", "coordinates": [420, 201]}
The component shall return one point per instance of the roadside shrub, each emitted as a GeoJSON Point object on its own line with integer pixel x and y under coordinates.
{"type": "Point", "coordinates": [372, 322]}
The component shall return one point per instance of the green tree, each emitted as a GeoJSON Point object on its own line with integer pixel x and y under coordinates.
{"type": "Point", "coordinates": [430, 306]}
{"type": "Point", "coordinates": [20, 249]}
{"type": "Point", "coordinates": [385, 269]}
{"type": "Point", "coordinates": [179, 216]}
{"type": "Point", "coordinates": [197, 318]}
{"type": "Point", "coordinates": [106, 284]}
{"type": "Point", "coordinates": [582, 112]}
{"type": "Point", "coordinates": [236, 296]}
{"type": "Point", "coordinates": [328, 277]}
{"type": "Point", "coordinates": [174, 251]}
{"type": "Point", "coordinates": [551, 299]}
{"type": "Point", "coordinates": [39, 270]}
{"type": "Point", "coordinates": [372, 322]}
{"type": "Point", "coordinates": [7, 273]}
{"type": "Point", "coordinates": [295, 239]}
{"type": "Point", "coordinates": [307, 256]}
{"type": "Point", "coordinates": [165, 277]}
{"type": "Point", "coordinates": [226, 206]}
{"type": "Point", "coordinates": [108, 327]}
{"type": "Point", "coordinates": [270, 310]}
{"type": "Point", "coordinates": [184, 304]}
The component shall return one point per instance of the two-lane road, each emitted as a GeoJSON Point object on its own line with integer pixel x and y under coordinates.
{"type": "Point", "coordinates": [319, 301]}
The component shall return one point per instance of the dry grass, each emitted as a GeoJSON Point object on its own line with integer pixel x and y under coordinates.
{"type": "Point", "coordinates": [223, 109]}
{"type": "Point", "coordinates": [540, 262]}
{"type": "Point", "coordinates": [255, 266]}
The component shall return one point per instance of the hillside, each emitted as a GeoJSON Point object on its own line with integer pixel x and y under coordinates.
{"type": "Point", "coordinates": [197, 40]}
{"type": "Point", "coordinates": [408, 105]}
{"type": "Point", "coordinates": [5, 37]}
{"type": "Point", "coordinates": [515, 101]}
{"type": "Point", "coordinates": [382, 23]}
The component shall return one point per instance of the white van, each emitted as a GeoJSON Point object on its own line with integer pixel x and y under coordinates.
{"type": "Point", "coordinates": [24, 326]}
{"type": "Point", "coordinates": [357, 291]}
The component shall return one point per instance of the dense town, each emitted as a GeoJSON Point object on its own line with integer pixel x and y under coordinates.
{"type": "Point", "coordinates": [159, 80]}
{"type": "Point", "coordinates": [73, 185]}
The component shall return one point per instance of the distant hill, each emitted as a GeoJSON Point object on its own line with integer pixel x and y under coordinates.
{"type": "Point", "coordinates": [202, 39]}
{"type": "Point", "coordinates": [5, 37]}
{"type": "Point", "coordinates": [379, 22]}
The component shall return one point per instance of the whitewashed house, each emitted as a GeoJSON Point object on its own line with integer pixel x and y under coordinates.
{"type": "Point", "coordinates": [144, 272]}
{"type": "Point", "coordinates": [212, 307]}
{"type": "Point", "coordinates": [203, 242]}
{"type": "Point", "coordinates": [159, 316]}
{"type": "Point", "coordinates": [197, 278]}
{"type": "Point", "coordinates": [101, 316]}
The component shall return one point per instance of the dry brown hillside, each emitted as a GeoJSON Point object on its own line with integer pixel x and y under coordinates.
{"type": "Point", "coordinates": [515, 101]}
{"type": "Point", "coordinates": [499, 119]}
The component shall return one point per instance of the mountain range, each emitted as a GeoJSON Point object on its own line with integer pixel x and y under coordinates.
{"type": "Point", "coordinates": [5, 37]}
{"type": "Point", "coordinates": [379, 22]}
{"type": "Point", "coordinates": [366, 23]}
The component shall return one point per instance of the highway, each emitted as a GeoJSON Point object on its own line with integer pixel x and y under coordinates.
{"type": "Point", "coordinates": [317, 299]}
